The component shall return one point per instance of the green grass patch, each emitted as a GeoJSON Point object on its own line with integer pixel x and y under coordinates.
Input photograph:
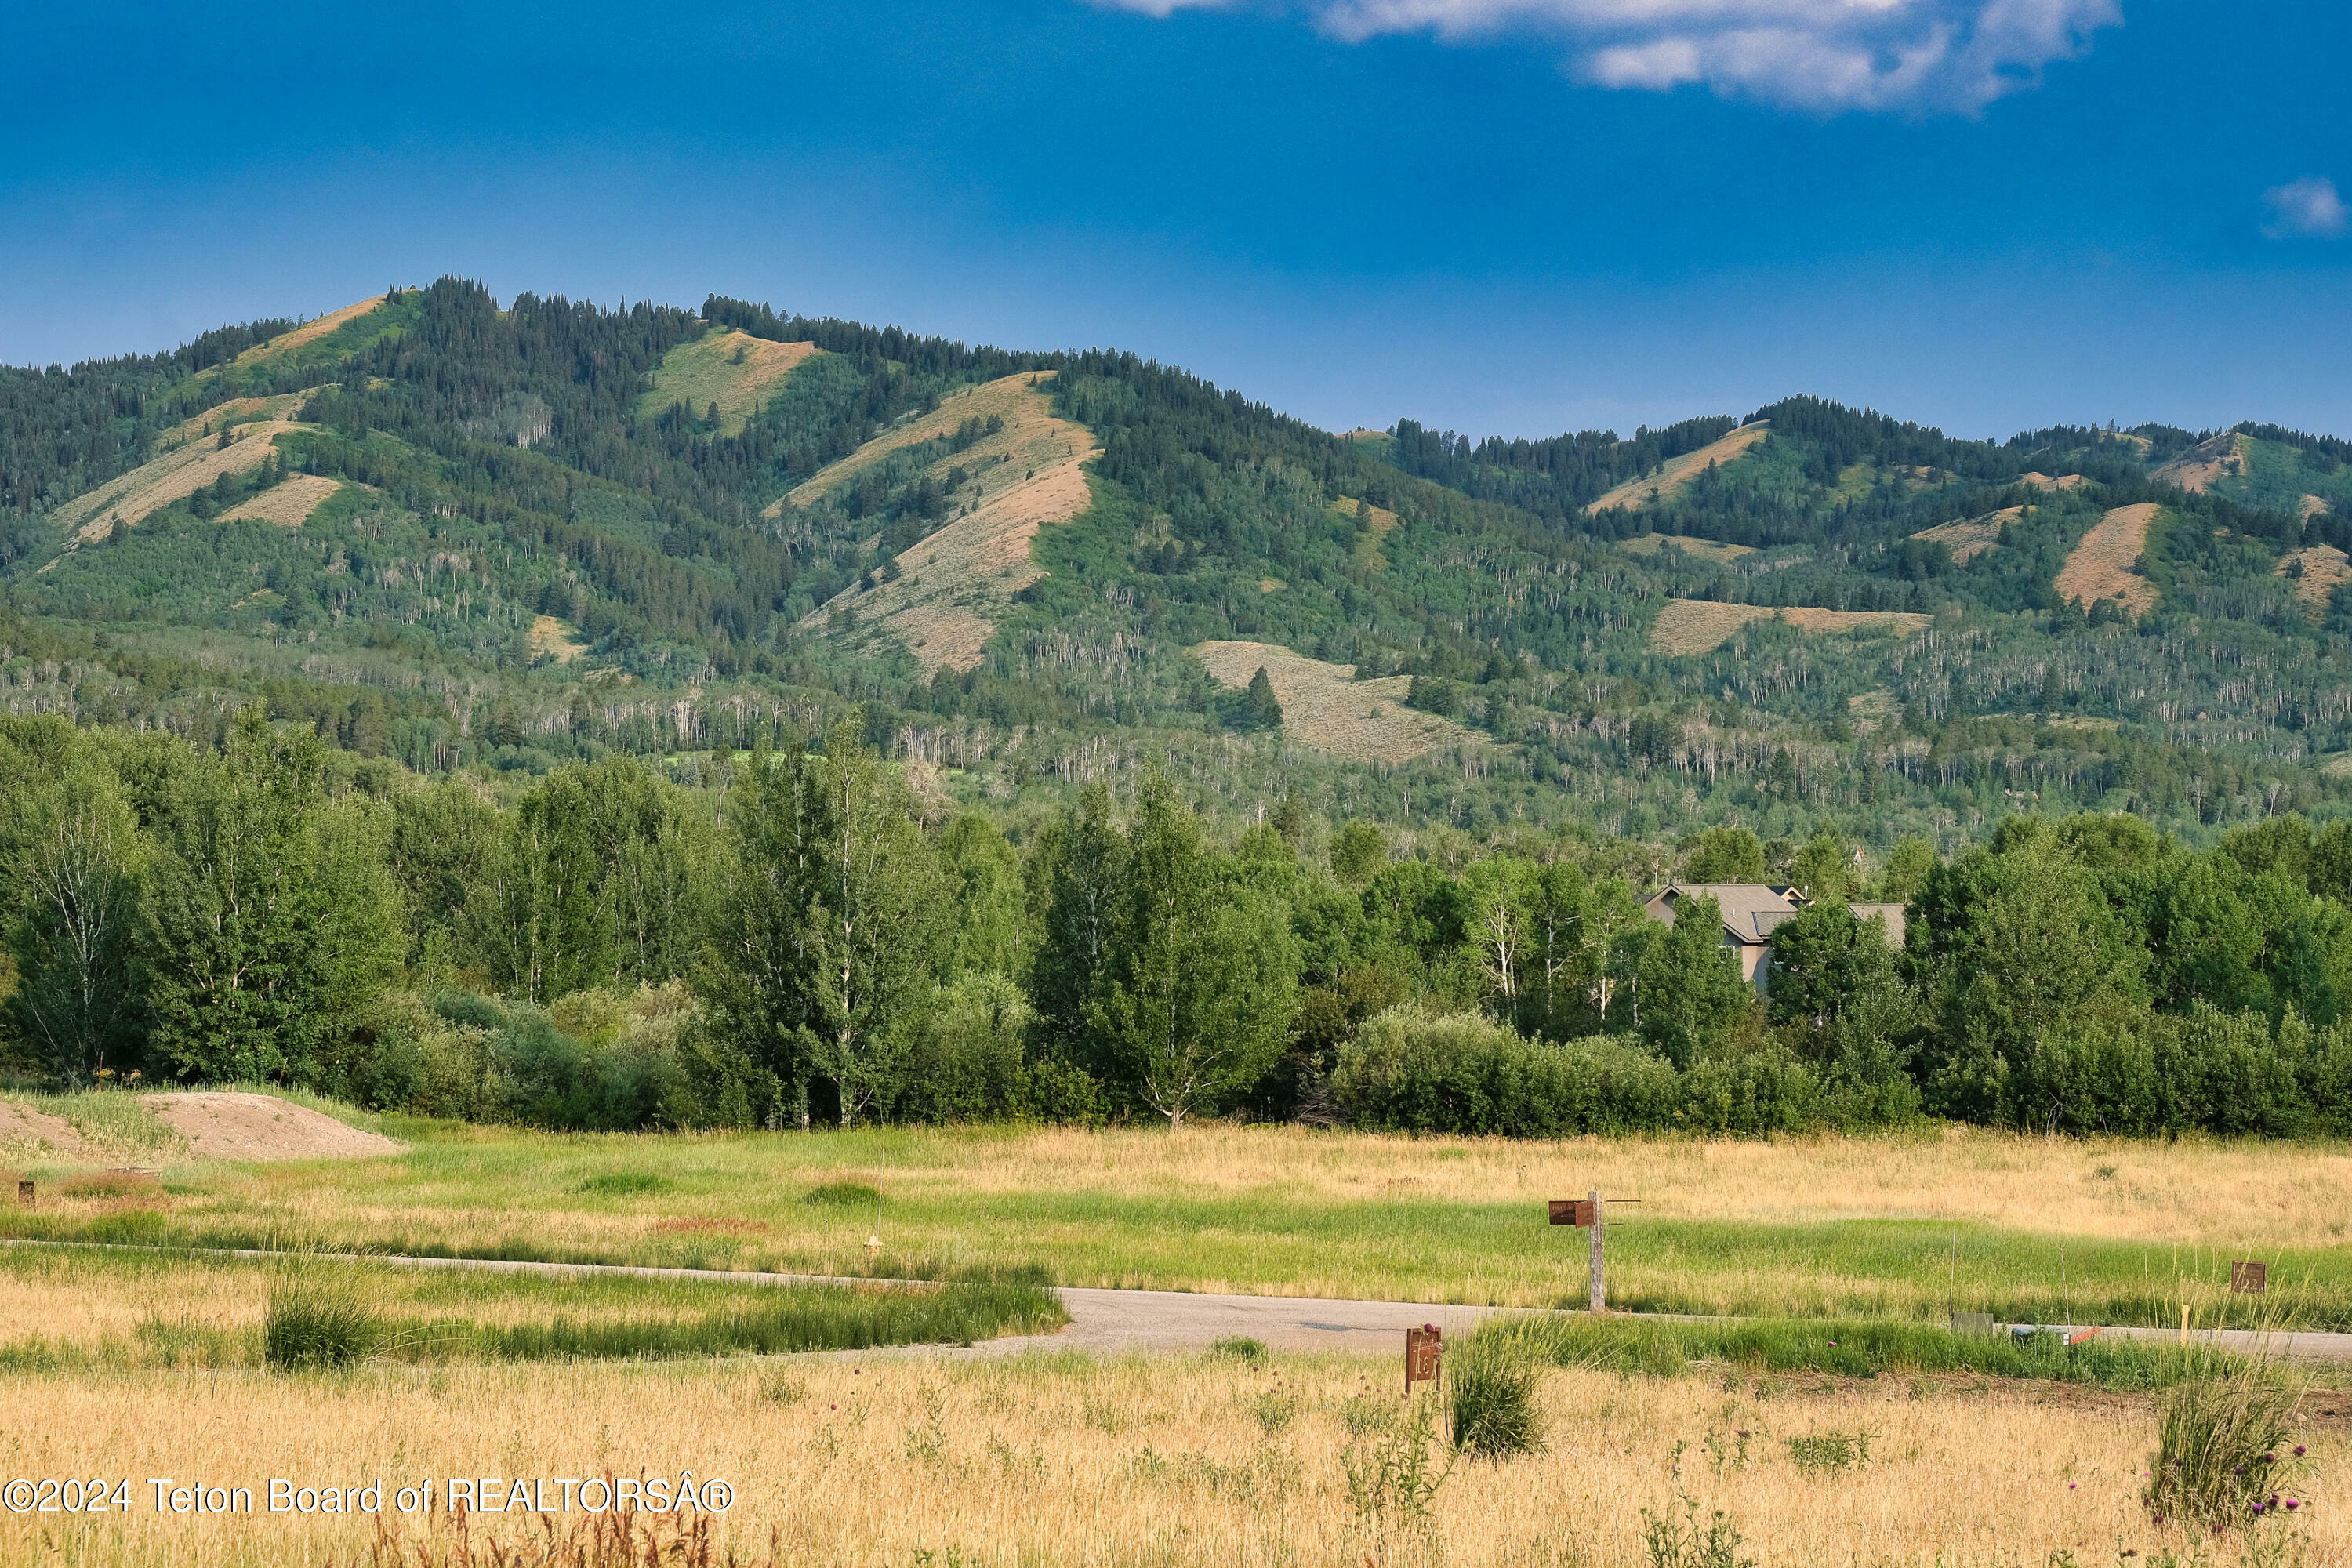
{"type": "Point", "coordinates": [794, 1203]}
{"type": "Point", "coordinates": [309, 1312]}
{"type": "Point", "coordinates": [1866, 1350]}
{"type": "Point", "coordinates": [621, 1183]}
{"type": "Point", "coordinates": [798, 1318]}
{"type": "Point", "coordinates": [842, 1196]}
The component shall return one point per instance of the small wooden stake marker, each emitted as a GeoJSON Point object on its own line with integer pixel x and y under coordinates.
{"type": "Point", "coordinates": [1422, 1347]}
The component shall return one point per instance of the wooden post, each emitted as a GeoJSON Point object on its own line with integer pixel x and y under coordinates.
{"type": "Point", "coordinates": [1598, 1300]}
{"type": "Point", "coordinates": [1422, 1347]}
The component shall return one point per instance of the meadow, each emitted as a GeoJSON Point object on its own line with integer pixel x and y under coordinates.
{"type": "Point", "coordinates": [135, 1310]}
{"type": "Point", "coordinates": [1846, 1425]}
{"type": "Point", "coordinates": [1903, 1227]}
{"type": "Point", "coordinates": [921, 1462]}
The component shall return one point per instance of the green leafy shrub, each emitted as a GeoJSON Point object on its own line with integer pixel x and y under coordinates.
{"type": "Point", "coordinates": [1411, 1069]}
{"type": "Point", "coordinates": [1828, 1453]}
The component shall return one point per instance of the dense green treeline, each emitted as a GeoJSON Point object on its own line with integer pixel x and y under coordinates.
{"type": "Point", "coordinates": [825, 942]}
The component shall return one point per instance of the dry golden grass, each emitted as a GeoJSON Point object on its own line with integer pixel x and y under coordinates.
{"type": "Point", "coordinates": [2313, 506]}
{"type": "Point", "coordinates": [1870, 710]}
{"type": "Point", "coordinates": [708, 370]}
{"type": "Point", "coordinates": [1970, 537]}
{"type": "Point", "coordinates": [1379, 523]}
{"type": "Point", "coordinates": [28, 1133]}
{"type": "Point", "coordinates": [888, 1459]}
{"type": "Point", "coordinates": [2256, 1194]}
{"type": "Point", "coordinates": [1635, 494]}
{"type": "Point", "coordinates": [1695, 625]}
{"type": "Point", "coordinates": [1293, 1212]}
{"type": "Point", "coordinates": [174, 475]}
{"type": "Point", "coordinates": [1326, 707]}
{"type": "Point", "coordinates": [1030, 429]}
{"type": "Point", "coordinates": [953, 584]}
{"type": "Point", "coordinates": [309, 332]}
{"type": "Point", "coordinates": [2104, 565]}
{"type": "Point", "coordinates": [2323, 566]}
{"type": "Point", "coordinates": [289, 503]}
{"type": "Point", "coordinates": [235, 411]}
{"type": "Point", "coordinates": [2045, 482]}
{"type": "Point", "coordinates": [551, 639]}
{"type": "Point", "coordinates": [1701, 548]}
{"type": "Point", "coordinates": [2199, 469]}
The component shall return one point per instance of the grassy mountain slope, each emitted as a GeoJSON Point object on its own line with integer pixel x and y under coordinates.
{"type": "Point", "coordinates": [456, 534]}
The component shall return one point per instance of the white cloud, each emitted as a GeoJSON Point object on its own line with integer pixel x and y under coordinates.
{"type": "Point", "coordinates": [1824, 55]}
{"type": "Point", "coordinates": [2305, 209]}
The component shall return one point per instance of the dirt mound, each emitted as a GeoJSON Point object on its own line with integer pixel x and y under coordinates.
{"type": "Point", "coordinates": [2105, 565]}
{"type": "Point", "coordinates": [734, 369]}
{"type": "Point", "coordinates": [224, 1125]}
{"type": "Point", "coordinates": [1635, 494]}
{"type": "Point", "coordinates": [944, 605]}
{"type": "Point", "coordinates": [1696, 625]}
{"type": "Point", "coordinates": [1324, 705]}
{"type": "Point", "coordinates": [289, 503]}
{"type": "Point", "coordinates": [24, 1130]}
{"type": "Point", "coordinates": [1971, 537]}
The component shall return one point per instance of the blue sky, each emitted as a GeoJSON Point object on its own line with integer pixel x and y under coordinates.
{"type": "Point", "coordinates": [1512, 216]}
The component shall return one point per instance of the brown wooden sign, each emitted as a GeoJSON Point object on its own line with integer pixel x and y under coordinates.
{"type": "Point", "coordinates": [24, 1194]}
{"type": "Point", "coordinates": [1572, 1211]}
{"type": "Point", "coordinates": [1422, 1347]}
{"type": "Point", "coordinates": [2250, 1278]}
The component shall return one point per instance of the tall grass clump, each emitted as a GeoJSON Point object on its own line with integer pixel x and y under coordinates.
{"type": "Point", "coordinates": [2222, 1457]}
{"type": "Point", "coordinates": [315, 1323]}
{"type": "Point", "coordinates": [1490, 1391]}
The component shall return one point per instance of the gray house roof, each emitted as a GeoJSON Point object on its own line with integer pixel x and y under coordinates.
{"type": "Point", "coordinates": [1750, 910]}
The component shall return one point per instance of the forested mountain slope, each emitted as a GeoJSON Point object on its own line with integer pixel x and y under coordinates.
{"type": "Point", "coordinates": [448, 534]}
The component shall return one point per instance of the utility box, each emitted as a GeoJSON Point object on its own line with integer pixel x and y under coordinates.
{"type": "Point", "coordinates": [1572, 1211]}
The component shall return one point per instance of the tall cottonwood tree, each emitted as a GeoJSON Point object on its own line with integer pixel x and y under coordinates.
{"type": "Point", "coordinates": [831, 932]}
{"type": "Point", "coordinates": [269, 920]}
{"type": "Point", "coordinates": [876, 916]}
{"type": "Point", "coordinates": [1200, 978]}
{"type": "Point", "coordinates": [77, 869]}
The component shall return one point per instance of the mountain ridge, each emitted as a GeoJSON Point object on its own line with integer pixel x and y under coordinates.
{"type": "Point", "coordinates": [515, 538]}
